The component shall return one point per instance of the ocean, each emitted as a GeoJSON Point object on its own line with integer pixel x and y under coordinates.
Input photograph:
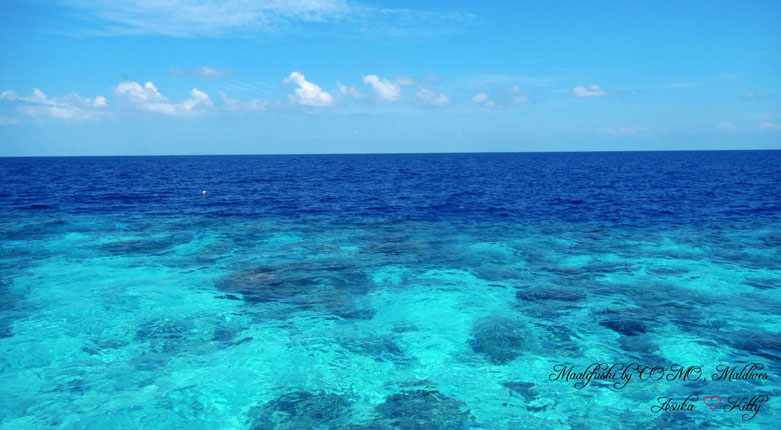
{"type": "Point", "coordinates": [412, 291]}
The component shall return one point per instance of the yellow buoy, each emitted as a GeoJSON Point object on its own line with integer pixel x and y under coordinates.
{"type": "Point", "coordinates": [204, 192]}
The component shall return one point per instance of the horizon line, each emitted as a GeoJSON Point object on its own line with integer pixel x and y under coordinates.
{"type": "Point", "coordinates": [388, 153]}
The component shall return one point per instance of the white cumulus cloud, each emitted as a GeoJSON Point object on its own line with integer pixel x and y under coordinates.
{"type": "Point", "coordinates": [432, 98]}
{"type": "Point", "coordinates": [68, 108]}
{"type": "Point", "coordinates": [483, 100]}
{"type": "Point", "coordinates": [349, 91]}
{"type": "Point", "coordinates": [592, 91]}
{"type": "Point", "coordinates": [148, 98]}
{"type": "Point", "coordinates": [770, 125]}
{"type": "Point", "coordinates": [383, 88]}
{"type": "Point", "coordinates": [502, 98]}
{"type": "Point", "coordinates": [480, 98]}
{"type": "Point", "coordinates": [307, 93]}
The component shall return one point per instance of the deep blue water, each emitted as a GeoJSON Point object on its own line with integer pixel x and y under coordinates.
{"type": "Point", "coordinates": [603, 187]}
{"type": "Point", "coordinates": [386, 291]}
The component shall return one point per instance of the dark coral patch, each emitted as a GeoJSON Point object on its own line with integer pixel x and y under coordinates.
{"type": "Point", "coordinates": [759, 343]}
{"type": "Point", "coordinates": [140, 246]}
{"type": "Point", "coordinates": [763, 284]}
{"type": "Point", "coordinates": [381, 348]}
{"type": "Point", "coordinates": [549, 293]}
{"type": "Point", "coordinates": [527, 390]}
{"type": "Point", "coordinates": [668, 271]}
{"type": "Point", "coordinates": [423, 410]}
{"type": "Point", "coordinates": [301, 410]}
{"type": "Point", "coordinates": [627, 327]}
{"type": "Point", "coordinates": [9, 299]}
{"type": "Point", "coordinates": [307, 284]}
{"type": "Point", "coordinates": [163, 335]}
{"type": "Point", "coordinates": [500, 340]}
{"type": "Point", "coordinates": [325, 289]}
{"type": "Point", "coordinates": [591, 270]}
{"type": "Point", "coordinates": [258, 284]}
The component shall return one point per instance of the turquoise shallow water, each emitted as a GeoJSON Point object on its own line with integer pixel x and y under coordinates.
{"type": "Point", "coordinates": [161, 321]}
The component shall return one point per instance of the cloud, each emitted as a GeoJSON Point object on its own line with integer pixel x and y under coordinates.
{"type": "Point", "coordinates": [627, 131]}
{"type": "Point", "coordinates": [770, 125]}
{"type": "Point", "coordinates": [147, 98]}
{"type": "Point", "coordinates": [349, 91]}
{"type": "Point", "coordinates": [479, 81]}
{"type": "Point", "coordinates": [68, 108]}
{"type": "Point", "coordinates": [517, 97]}
{"type": "Point", "coordinates": [432, 98]}
{"type": "Point", "coordinates": [480, 98]}
{"type": "Point", "coordinates": [383, 88]}
{"type": "Point", "coordinates": [4, 120]}
{"type": "Point", "coordinates": [503, 97]}
{"type": "Point", "coordinates": [246, 105]}
{"type": "Point", "coordinates": [755, 96]}
{"type": "Point", "coordinates": [405, 81]}
{"type": "Point", "coordinates": [726, 126]}
{"type": "Point", "coordinates": [307, 93]}
{"type": "Point", "coordinates": [203, 72]}
{"type": "Point", "coordinates": [592, 91]}
{"type": "Point", "coordinates": [483, 100]}
{"type": "Point", "coordinates": [186, 18]}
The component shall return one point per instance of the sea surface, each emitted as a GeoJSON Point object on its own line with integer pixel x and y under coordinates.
{"type": "Point", "coordinates": [402, 291]}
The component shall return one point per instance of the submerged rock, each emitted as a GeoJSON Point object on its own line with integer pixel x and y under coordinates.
{"type": "Point", "coordinates": [771, 240]}
{"type": "Point", "coordinates": [9, 300]}
{"type": "Point", "coordinates": [140, 246]}
{"type": "Point", "coordinates": [762, 283]}
{"type": "Point", "coordinates": [548, 293]}
{"type": "Point", "coordinates": [332, 291]}
{"type": "Point", "coordinates": [163, 335]}
{"type": "Point", "coordinates": [591, 270]}
{"type": "Point", "coordinates": [500, 340]}
{"type": "Point", "coordinates": [627, 327]}
{"type": "Point", "coordinates": [527, 390]}
{"type": "Point", "coordinates": [760, 343]}
{"type": "Point", "coordinates": [668, 271]}
{"type": "Point", "coordinates": [632, 321]}
{"type": "Point", "coordinates": [422, 410]}
{"type": "Point", "coordinates": [381, 348]}
{"type": "Point", "coordinates": [352, 313]}
{"type": "Point", "coordinates": [317, 283]}
{"type": "Point", "coordinates": [5, 328]}
{"type": "Point", "coordinates": [257, 285]}
{"type": "Point", "coordinates": [301, 410]}
{"type": "Point", "coordinates": [641, 346]}
{"type": "Point", "coordinates": [559, 339]}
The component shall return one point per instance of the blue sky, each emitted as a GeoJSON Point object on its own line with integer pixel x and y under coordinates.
{"type": "Point", "coordinates": [101, 77]}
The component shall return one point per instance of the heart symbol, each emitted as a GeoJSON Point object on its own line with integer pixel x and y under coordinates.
{"type": "Point", "coordinates": [705, 400]}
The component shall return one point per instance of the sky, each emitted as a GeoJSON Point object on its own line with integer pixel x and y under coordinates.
{"type": "Point", "coordinates": [151, 77]}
